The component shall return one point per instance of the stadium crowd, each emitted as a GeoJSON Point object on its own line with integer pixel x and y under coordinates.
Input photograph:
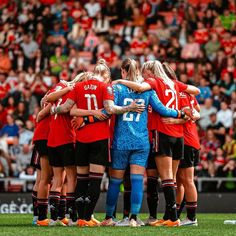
{"type": "Point", "coordinates": [44, 41]}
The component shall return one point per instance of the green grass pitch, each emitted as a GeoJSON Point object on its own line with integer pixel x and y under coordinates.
{"type": "Point", "coordinates": [209, 224]}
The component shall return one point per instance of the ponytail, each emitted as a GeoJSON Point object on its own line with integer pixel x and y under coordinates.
{"type": "Point", "coordinates": [80, 78]}
{"type": "Point", "coordinates": [133, 73]}
{"type": "Point", "coordinates": [158, 70]}
{"type": "Point", "coordinates": [101, 68]}
{"type": "Point", "coordinates": [169, 71]}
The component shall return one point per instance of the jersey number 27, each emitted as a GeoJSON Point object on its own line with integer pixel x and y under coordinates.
{"type": "Point", "coordinates": [129, 116]}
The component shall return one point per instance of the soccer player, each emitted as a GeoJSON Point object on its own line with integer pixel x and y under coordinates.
{"type": "Point", "coordinates": [41, 154]}
{"type": "Point", "coordinates": [61, 157]}
{"type": "Point", "coordinates": [92, 140]}
{"type": "Point", "coordinates": [185, 174]}
{"type": "Point", "coordinates": [131, 143]}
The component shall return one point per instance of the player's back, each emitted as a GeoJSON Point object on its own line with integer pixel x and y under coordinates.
{"type": "Point", "coordinates": [130, 131]}
{"type": "Point", "coordinates": [90, 95]}
{"type": "Point", "coordinates": [61, 131]}
{"type": "Point", "coordinates": [169, 98]}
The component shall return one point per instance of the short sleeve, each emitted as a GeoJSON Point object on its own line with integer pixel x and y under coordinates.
{"type": "Point", "coordinates": [108, 92]}
{"type": "Point", "coordinates": [184, 100]}
{"type": "Point", "coordinates": [182, 86]}
{"type": "Point", "coordinates": [72, 94]}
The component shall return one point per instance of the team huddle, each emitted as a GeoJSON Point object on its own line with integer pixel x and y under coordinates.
{"type": "Point", "coordinates": [142, 123]}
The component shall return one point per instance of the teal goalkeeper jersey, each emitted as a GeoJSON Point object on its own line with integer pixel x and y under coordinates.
{"type": "Point", "coordinates": [130, 132]}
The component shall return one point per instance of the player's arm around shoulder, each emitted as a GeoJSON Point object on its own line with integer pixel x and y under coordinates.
{"type": "Point", "coordinates": [159, 107]}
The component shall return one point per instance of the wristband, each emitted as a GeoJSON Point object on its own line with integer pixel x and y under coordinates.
{"type": "Point", "coordinates": [181, 114]}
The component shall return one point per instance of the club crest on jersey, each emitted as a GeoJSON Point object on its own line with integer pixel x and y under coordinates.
{"type": "Point", "coordinates": [109, 90]}
{"type": "Point", "coordinates": [182, 95]}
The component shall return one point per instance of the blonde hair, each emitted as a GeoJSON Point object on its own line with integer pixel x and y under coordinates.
{"type": "Point", "coordinates": [157, 69]}
{"type": "Point", "coordinates": [131, 67]}
{"type": "Point", "coordinates": [101, 68]}
{"type": "Point", "coordinates": [169, 71]}
{"type": "Point", "coordinates": [80, 78]}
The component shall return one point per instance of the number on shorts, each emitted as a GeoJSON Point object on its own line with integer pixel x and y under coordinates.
{"type": "Point", "coordinates": [90, 98]}
{"type": "Point", "coordinates": [172, 99]}
{"type": "Point", "coordinates": [129, 116]}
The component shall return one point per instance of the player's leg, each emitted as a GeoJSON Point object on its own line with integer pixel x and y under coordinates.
{"type": "Point", "coordinates": [45, 181]}
{"type": "Point", "coordinates": [152, 194]}
{"type": "Point", "coordinates": [82, 163]}
{"type": "Point", "coordinates": [98, 160]}
{"type": "Point", "coordinates": [179, 193]}
{"type": "Point", "coordinates": [126, 199]}
{"type": "Point", "coordinates": [165, 168]}
{"type": "Point", "coordinates": [56, 161]}
{"type": "Point", "coordinates": [138, 162]}
{"type": "Point", "coordinates": [127, 193]}
{"type": "Point", "coordinates": [35, 162]}
{"type": "Point", "coordinates": [55, 191]}
{"type": "Point", "coordinates": [119, 164]}
{"type": "Point", "coordinates": [34, 197]}
{"type": "Point", "coordinates": [62, 204]}
{"type": "Point", "coordinates": [68, 156]}
{"type": "Point", "coordinates": [152, 180]}
{"type": "Point", "coordinates": [43, 190]}
{"type": "Point", "coordinates": [190, 160]}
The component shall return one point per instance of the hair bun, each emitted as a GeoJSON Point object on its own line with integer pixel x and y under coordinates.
{"type": "Point", "coordinates": [101, 61]}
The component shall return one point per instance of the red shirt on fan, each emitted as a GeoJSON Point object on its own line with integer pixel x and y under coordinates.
{"type": "Point", "coordinates": [90, 95]}
{"type": "Point", "coordinates": [201, 36]}
{"type": "Point", "coordinates": [109, 57]}
{"type": "Point", "coordinates": [190, 128]}
{"type": "Point", "coordinates": [61, 131]}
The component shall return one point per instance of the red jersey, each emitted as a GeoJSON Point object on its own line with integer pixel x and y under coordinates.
{"type": "Point", "coordinates": [152, 115]}
{"type": "Point", "coordinates": [42, 129]}
{"type": "Point", "coordinates": [90, 95]}
{"type": "Point", "coordinates": [170, 98]}
{"type": "Point", "coordinates": [61, 131]}
{"type": "Point", "coordinates": [190, 128]}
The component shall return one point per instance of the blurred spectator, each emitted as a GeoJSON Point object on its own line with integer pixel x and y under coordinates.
{"type": "Point", "coordinates": [205, 91]}
{"type": "Point", "coordinates": [229, 170]}
{"type": "Point", "coordinates": [230, 147]}
{"type": "Point", "coordinates": [10, 130]}
{"type": "Point", "coordinates": [29, 174]}
{"type": "Point", "coordinates": [206, 110]}
{"type": "Point", "coordinates": [58, 61]}
{"type": "Point", "coordinates": [225, 115]}
{"type": "Point", "coordinates": [21, 112]}
{"type": "Point", "coordinates": [39, 88]}
{"type": "Point", "coordinates": [101, 24]}
{"type": "Point", "coordinates": [191, 50]}
{"type": "Point", "coordinates": [92, 7]}
{"type": "Point", "coordinates": [4, 164]}
{"type": "Point", "coordinates": [5, 63]}
{"type": "Point", "coordinates": [23, 157]}
{"type": "Point", "coordinates": [212, 46]}
{"type": "Point", "coordinates": [217, 127]}
{"type": "Point", "coordinates": [29, 47]}
{"type": "Point", "coordinates": [210, 144]}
